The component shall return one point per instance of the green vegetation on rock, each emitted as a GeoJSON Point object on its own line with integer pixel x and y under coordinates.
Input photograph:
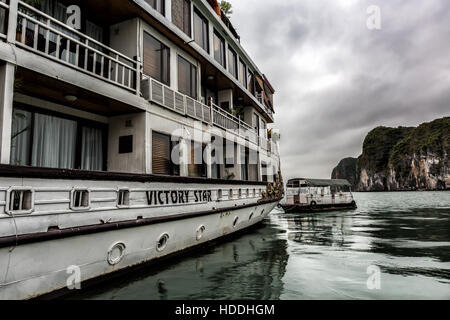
{"type": "Point", "coordinates": [432, 137]}
{"type": "Point", "coordinates": [378, 146]}
{"type": "Point", "coordinates": [404, 158]}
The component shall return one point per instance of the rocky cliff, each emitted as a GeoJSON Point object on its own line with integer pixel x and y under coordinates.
{"type": "Point", "coordinates": [404, 158]}
{"type": "Point", "coordinates": [347, 169]}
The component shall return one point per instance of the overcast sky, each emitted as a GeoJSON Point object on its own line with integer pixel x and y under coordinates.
{"type": "Point", "coordinates": [336, 79]}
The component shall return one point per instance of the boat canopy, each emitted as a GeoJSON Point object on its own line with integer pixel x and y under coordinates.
{"type": "Point", "coordinates": [319, 182]}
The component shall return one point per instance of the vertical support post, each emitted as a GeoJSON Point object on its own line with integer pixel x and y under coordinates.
{"type": "Point", "coordinates": [184, 159]}
{"type": "Point", "coordinates": [12, 21]}
{"type": "Point", "coordinates": [6, 108]}
{"type": "Point", "coordinates": [138, 76]}
{"type": "Point", "coordinates": [208, 159]}
{"type": "Point", "coordinates": [148, 144]}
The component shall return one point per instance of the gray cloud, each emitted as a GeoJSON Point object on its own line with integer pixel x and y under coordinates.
{"type": "Point", "coordinates": [336, 80]}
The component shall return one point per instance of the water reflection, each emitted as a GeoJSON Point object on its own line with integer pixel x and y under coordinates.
{"type": "Point", "coordinates": [315, 256]}
{"type": "Point", "coordinates": [251, 266]}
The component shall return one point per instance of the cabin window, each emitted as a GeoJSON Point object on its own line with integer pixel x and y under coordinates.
{"type": "Point", "coordinates": [181, 15]}
{"type": "Point", "coordinates": [264, 128]}
{"type": "Point", "coordinates": [20, 201]}
{"type": "Point", "coordinates": [244, 164]}
{"type": "Point", "coordinates": [158, 5]}
{"type": "Point", "coordinates": [201, 31]}
{"type": "Point", "coordinates": [197, 165]}
{"type": "Point", "coordinates": [264, 172]}
{"type": "Point", "coordinates": [215, 159]}
{"type": "Point", "coordinates": [162, 149]}
{"type": "Point", "coordinates": [256, 124]}
{"type": "Point", "coordinates": [242, 73]}
{"type": "Point", "coordinates": [123, 198]}
{"type": "Point", "coordinates": [156, 59]}
{"type": "Point", "coordinates": [219, 49]}
{"type": "Point", "coordinates": [80, 199]}
{"type": "Point", "coordinates": [53, 141]}
{"type": "Point", "coordinates": [232, 62]}
{"type": "Point", "coordinates": [251, 82]}
{"type": "Point", "coordinates": [3, 20]}
{"type": "Point", "coordinates": [187, 78]}
{"type": "Point", "coordinates": [58, 10]}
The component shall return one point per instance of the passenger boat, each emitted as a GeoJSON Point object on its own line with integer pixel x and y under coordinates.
{"type": "Point", "coordinates": [315, 195]}
{"type": "Point", "coordinates": [130, 130]}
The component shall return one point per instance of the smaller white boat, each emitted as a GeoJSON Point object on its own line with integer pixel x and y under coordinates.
{"type": "Point", "coordinates": [312, 195]}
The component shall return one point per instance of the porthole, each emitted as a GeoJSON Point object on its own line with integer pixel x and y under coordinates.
{"type": "Point", "coordinates": [116, 253]}
{"type": "Point", "coordinates": [80, 199]}
{"type": "Point", "coordinates": [251, 216]}
{"type": "Point", "coordinates": [235, 222]}
{"type": "Point", "coordinates": [262, 212]}
{"type": "Point", "coordinates": [19, 201]}
{"type": "Point", "coordinates": [123, 198]}
{"type": "Point", "coordinates": [230, 194]}
{"type": "Point", "coordinates": [162, 242]}
{"type": "Point", "coordinates": [200, 232]}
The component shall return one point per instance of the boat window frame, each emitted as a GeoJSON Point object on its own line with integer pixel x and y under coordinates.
{"type": "Point", "coordinates": [81, 122]}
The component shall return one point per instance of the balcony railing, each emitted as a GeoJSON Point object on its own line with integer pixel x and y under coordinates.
{"type": "Point", "coordinates": [162, 95]}
{"type": "Point", "coordinates": [260, 97]}
{"type": "Point", "coordinates": [44, 35]}
{"type": "Point", "coordinates": [37, 32]}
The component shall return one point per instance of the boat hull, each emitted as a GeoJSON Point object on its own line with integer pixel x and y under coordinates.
{"type": "Point", "coordinates": [42, 267]}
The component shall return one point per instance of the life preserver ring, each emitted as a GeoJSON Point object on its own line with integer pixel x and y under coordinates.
{"type": "Point", "coordinates": [313, 204]}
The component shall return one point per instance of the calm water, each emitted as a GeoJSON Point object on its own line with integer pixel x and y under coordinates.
{"type": "Point", "coordinates": [322, 256]}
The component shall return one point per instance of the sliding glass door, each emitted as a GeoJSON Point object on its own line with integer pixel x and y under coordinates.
{"type": "Point", "coordinates": [53, 141]}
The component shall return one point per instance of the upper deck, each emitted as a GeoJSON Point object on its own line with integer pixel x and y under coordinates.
{"type": "Point", "coordinates": [134, 70]}
{"type": "Point", "coordinates": [110, 45]}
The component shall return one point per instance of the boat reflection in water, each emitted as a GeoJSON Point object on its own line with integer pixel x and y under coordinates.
{"type": "Point", "coordinates": [314, 256]}
{"type": "Point", "coordinates": [250, 266]}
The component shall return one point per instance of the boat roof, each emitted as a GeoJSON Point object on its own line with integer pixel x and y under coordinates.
{"type": "Point", "coordinates": [322, 182]}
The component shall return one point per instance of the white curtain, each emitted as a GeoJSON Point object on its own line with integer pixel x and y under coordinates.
{"type": "Point", "coordinates": [54, 142]}
{"type": "Point", "coordinates": [92, 149]}
{"type": "Point", "coordinates": [20, 139]}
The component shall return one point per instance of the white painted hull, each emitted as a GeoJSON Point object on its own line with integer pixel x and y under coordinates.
{"type": "Point", "coordinates": [38, 268]}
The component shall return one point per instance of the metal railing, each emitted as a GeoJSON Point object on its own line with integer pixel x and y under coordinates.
{"type": "Point", "coordinates": [163, 95]}
{"type": "Point", "coordinates": [44, 35]}
{"type": "Point", "coordinates": [4, 10]}
{"type": "Point", "coordinates": [35, 31]}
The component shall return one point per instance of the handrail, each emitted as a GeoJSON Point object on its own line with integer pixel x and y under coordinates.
{"type": "Point", "coordinates": [163, 95]}
{"type": "Point", "coordinates": [46, 16]}
{"type": "Point", "coordinates": [80, 51]}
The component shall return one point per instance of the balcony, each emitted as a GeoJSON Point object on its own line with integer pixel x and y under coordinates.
{"type": "Point", "coordinates": [43, 35]}
{"type": "Point", "coordinates": [260, 97]}
{"type": "Point", "coordinates": [164, 96]}
{"type": "Point", "coordinates": [34, 31]}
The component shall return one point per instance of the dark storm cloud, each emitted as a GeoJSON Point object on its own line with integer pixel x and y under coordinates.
{"type": "Point", "coordinates": [336, 79]}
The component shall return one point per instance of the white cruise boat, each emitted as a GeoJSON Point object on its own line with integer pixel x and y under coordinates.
{"type": "Point", "coordinates": [130, 130]}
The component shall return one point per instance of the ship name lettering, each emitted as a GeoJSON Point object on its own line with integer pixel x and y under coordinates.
{"type": "Point", "coordinates": [168, 197]}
